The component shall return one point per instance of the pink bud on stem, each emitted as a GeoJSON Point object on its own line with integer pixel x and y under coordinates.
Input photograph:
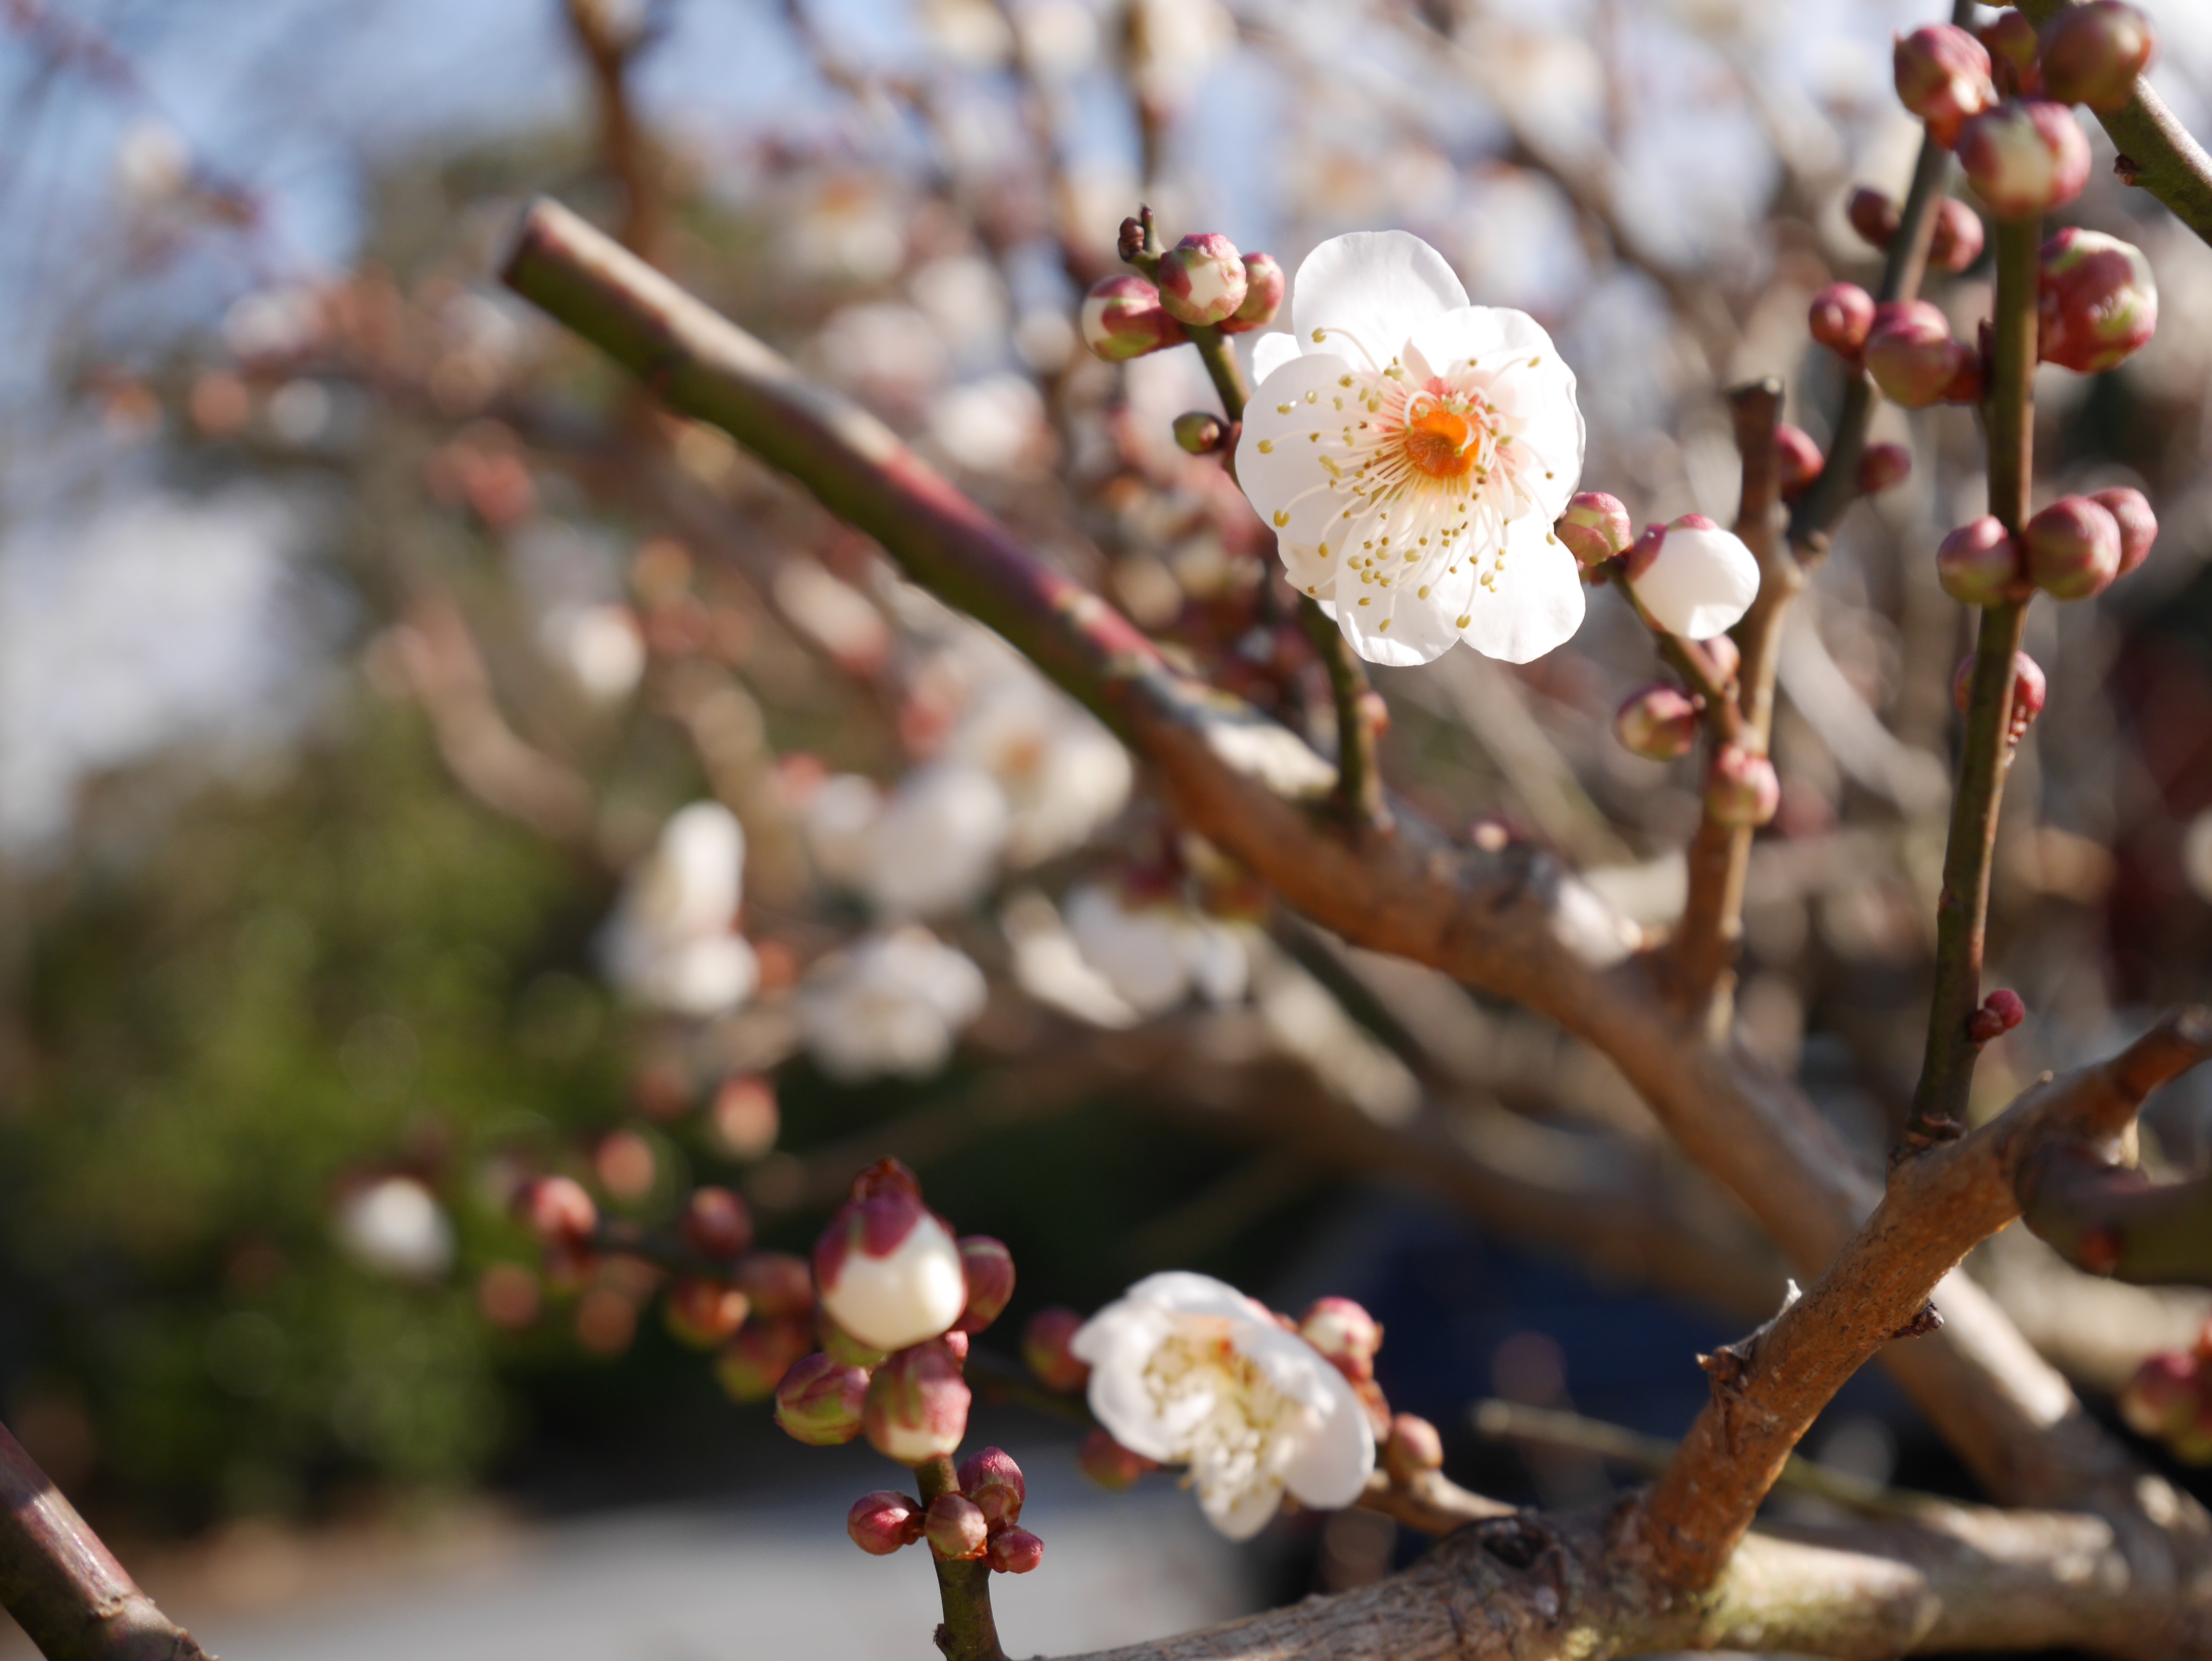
{"type": "Point", "coordinates": [1980, 564]}
{"type": "Point", "coordinates": [989, 1268]}
{"type": "Point", "coordinates": [1883, 467]}
{"type": "Point", "coordinates": [1594, 527]}
{"type": "Point", "coordinates": [1659, 723]}
{"type": "Point", "coordinates": [917, 1405]}
{"type": "Point", "coordinates": [1797, 461]}
{"type": "Point", "coordinates": [2096, 301]}
{"type": "Point", "coordinates": [1873, 215]}
{"type": "Point", "coordinates": [1122, 317]}
{"type": "Point", "coordinates": [753, 1363]}
{"type": "Point", "coordinates": [2029, 692]}
{"type": "Point", "coordinates": [558, 1211]}
{"type": "Point", "coordinates": [2138, 525]}
{"type": "Point", "coordinates": [703, 1312]}
{"type": "Point", "coordinates": [780, 1285]}
{"type": "Point", "coordinates": [956, 1529]}
{"type": "Point", "coordinates": [1109, 1464]}
{"type": "Point", "coordinates": [1910, 353]}
{"type": "Point", "coordinates": [2000, 1013]}
{"type": "Point", "coordinates": [715, 1223]}
{"type": "Point", "coordinates": [1345, 1332]}
{"type": "Point", "coordinates": [993, 1481]}
{"type": "Point", "coordinates": [2072, 548]}
{"type": "Point", "coordinates": [1840, 317]}
{"type": "Point", "coordinates": [1014, 1551]}
{"type": "Point", "coordinates": [819, 1401]}
{"type": "Point", "coordinates": [2092, 53]}
{"type": "Point", "coordinates": [2013, 49]}
{"type": "Point", "coordinates": [882, 1522]}
{"type": "Point", "coordinates": [1198, 432]}
{"type": "Point", "coordinates": [1942, 76]}
{"type": "Point", "coordinates": [1202, 279]}
{"type": "Point", "coordinates": [1044, 1347]}
{"type": "Point", "coordinates": [1265, 285]}
{"type": "Point", "coordinates": [2024, 157]}
{"type": "Point", "coordinates": [1414, 1450]}
{"type": "Point", "coordinates": [1957, 242]}
{"type": "Point", "coordinates": [1741, 788]}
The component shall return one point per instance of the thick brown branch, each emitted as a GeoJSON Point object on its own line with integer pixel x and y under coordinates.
{"type": "Point", "coordinates": [63, 1586]}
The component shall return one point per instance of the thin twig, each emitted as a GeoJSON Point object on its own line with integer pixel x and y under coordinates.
{"type": "Point", "coordinates": [970, 1632]}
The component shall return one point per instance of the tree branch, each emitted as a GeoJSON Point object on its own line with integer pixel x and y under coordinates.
{"type": "Point", "coordinates": [63, 1586]}
{"type": "Point", "coordinates": [970, 1632]}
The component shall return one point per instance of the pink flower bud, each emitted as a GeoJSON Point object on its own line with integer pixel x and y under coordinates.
{"type": "Point", "coordinates": [703, 1312]}
{"type": "Point", "coordinates": [715, 1223]}
{"type": "Point", "coordinates": [1693, 578]}
{"type": "Point", "coordinates": [1957, 242]}
{"type": "Point", "coordinates": [1122, 318]}
{"type": "Point", "coordinates": [1345, 1332]}
{"type": "Point", "coordinates": [917, 1405]}
{"type": "Point", "coordinates": [1797, 459]}
{"type": "Point", "coordinates": [957, 1344]}
{"type": "Point", "coordinates": [2029, 691]}
{"type": "Point", "coordinates": [882, 1522]}
{"type": "Point", "coordinates": [1131, 241]}
{"type": "Point", "coordinates": [2000, 1013]}
{"type": "Point", "coordinates": [844, 1348]}
{"type": "Point", "coordinates": [1872, 214]}
{"type": "Point", "coordinates": [888, 1270]}
{"type": "Point", "coordinates": [1658, 722]}
{"type": "Point", "coordinates": [1840, 317]}
{"type": "Point", "coordinates": [1981, 564]}
{"type": "Point", "coordinates": [1109, 1464]}
{"type": "Point", "coordinates": [1202, 279]}
{"type": "Point", "coordinates": [753, 1363]}
{"type": "Point", "coordinates": [1910, 353]}
{"type": "Point", "coordinates": [1594, 527]}
{"type": "Point", "coordinates": [1721, 656]}
{"type": "Point", "coordinates": [2138, 525]}
{"type": "Point", "coordinates": [993, 1481]}
{"type": "Point", "coordinates": [1198, 432]}
{"type": "Point", "coordinates": [2024, 157]}
{"type": "Point", "coordinates": [1741, 787]}
{"type": "Point", "coordinates": [2072, 548]}
{"type": "Point", "coordinates": [1014, 1551]}
{"type": "Point", "coordinates": [1882, 467]}
{"type": "Point", "coordinates": [1969, 381]}
{"type": "Point", "coordinates": [2163, 1398]}
{"type": "Point", "coordinates": [1265, 285]}
{"type": "Point", "coordinates": [1413, 1448]}
{"type": "Point", "coordinates": [1044, 1346]}
{"type": "Point", "coordinates": [558, 1211]}
{"type": "Point", "coordinates": [1942, 76]}
{"type": "Point", "coordinates": [989, 1268]}
{"type": "Point", "coordinates": [2012, 48]}
{"type": "Point", "coordinates": [2092, 53]}
{"type": "Point", "coordinates": [818, 1403]}
{"type": "Point", "coordinates": [956, 1529]}
{"type": "Point", "coordinates": [885, 1176]}
{"type": "Point", "coordinates": [2096, 301]}
{"type": "Point", "coordinates": [780, 1285]}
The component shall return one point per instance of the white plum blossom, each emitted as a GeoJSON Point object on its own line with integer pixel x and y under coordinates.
{"type": "Point", "coordinates": [1062, 773]}
{"type": "Point", "coordinates": [1694, 578]}
{"type": "Point", "coordinates": [891, 1004]}
{"type": "Point", "coordinates": [1411, 452]}
{"type": "Point", "coordinates": [839, 824]}
{"type": "Point", "coordinates": [934, 848]}
{"type": "Point", "coordinates": [890, 1273]}
{"type": "Point", "coordinates": [1187, 1369]}
{"type": "Point", "coordinates": [395, 1227]}
{"type": "Point", "coordinates": [1155, 951]}
{"type": "Point", "coordinates": [601, 648]}
{"type": "Point", "coordinates": [672, 940]}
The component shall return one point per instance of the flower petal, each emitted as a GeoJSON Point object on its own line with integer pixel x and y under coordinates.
{"type": "Point", "coordinates": [1537, 603]}
{"type": "Point", "coordinates": [1377, 286]}
{"type": "Point", "coordinates": [1240, 1511]}
{"type": "Point", "coordinates": [1700, 583]}
{"type": "Point", "coordinates": [1537, 397]}
{"type": "Point", "coordinates": [1332, 1462]}
{"type": "Point", "coordinates": [1179, 1292]}
{"type": "Point", "coordinates": [1272, 350]}
{"type": "Point", "coordinates": [1279, 459]}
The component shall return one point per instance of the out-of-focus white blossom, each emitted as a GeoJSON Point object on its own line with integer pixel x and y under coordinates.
{"type": "Point", "coordinates": [1411, 452]}
{"type": "Point", "coordinates": [672, 939]}
{"type": "Point", "coordinates": [969, 31]}
{"type": "Point", "coordinates": [1050, 967]}
{"type": "Point", "coordinates": [990, 426]}
{"type": "Point", "coordinates": [1156, 952]}
{"type": "Point", "coordinates": [1063, 775]}
{"type": "Point", "coordinates": [395, 1227]}
{"type": "Point", "coordinates": [836, 615]}
{"type": "Point", "coordinates": [839, 824]}
{"type": "Point", "coordinates": [599, 646]}
{"type": "Point", "coordinates": [1172, 43]}
{"type": "Point", "coordinates": [152, 162]}
{"type": "Point", "coordinates": [1187, 1369]}
{"type": "Point", "coordinates": [891, 1004]}
{"type": "Point", "coordinates": [936, 845]}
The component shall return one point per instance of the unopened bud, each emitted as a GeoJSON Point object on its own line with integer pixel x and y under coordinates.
{"type": "Point", "coordinates": [2029, 692]}
{"type": "Point", "coordinates": [818, 1403]}
{"type": "Point", "coordinates": [1840, 317]}
{"type": "Point", "coordinates": [1658, 723]}
{"type": "Point", "coordinates": [1345, 1332]}
{"type": "Point", "coordinates": [1910, 353]}
{"type": "Point", "coordinates": [1741, 787]}
{"type": "Point", "coordinates": [1872, 214]}
{"type": "Point", "coordinates": [957, 1344]}
{"type": "Point", "coordinates": [1980, 564]}
{"type": "Point", "coordinates": [1693, 578]}
{"type": "Point", "coordinates": [885, 1176]}
{"type": "Point", "coordinates": [1202, 279]}
{"type": "Point", "coordinates": [1045, 1347]}
{"type": "Point", "coordinates": [1882, 467]}
{"type": "Point", "coordinates": [888, 1270]}
{"type": "Point", "coordinates": [1414, 1449]}
{"type": "Point", "coordinates": [2096, 301]}
{"type": "Point", "coordinates": [2163, 1399]}
{"type": "Point", "coordinates": [1942, 76]}
{"type": "Point", "coordinates": [1265, 286]}
{"type": "Point", "coordinates": [1969, 381]}
{"type": "Point", "coordinates": [1109, 1464]}
{"type": "Point", "coordinates": [715, 1223]}
{"type": "Point", "coordinates": [881, 1523]}
{"type": "Point", "coordinates": [1199, 432]}
{"type": "Point", "coordinates": [2000, 1013]}
{"type": "Point", "coordinates": [2013, 49]}
{"type": "Point", "coordinates": [1722, 657]}
{"type": "Point", "coordinates": [989, 1268]}
{"type": "Point", "coordinates": [558, 1211]}
{"type": "Point", "coordinates": [1796, 460]}
{"type": "Point", "coordinates": [780, 1285]}
{"type": "Point", "coordinates": [2092, 53]}
{"type": "Point", "coordinates": [703, 1312]}
{"type": "Point", "coordinates": [1014, 1551]}
{"type": "Point", "coordinates": [993, 1481]}
{"type": "Point", "coordinates": [2138, 525]}
{"type": "Point", "coordinates": [753, 1363]}
{"type": "Point", "coordinates": [844, 1348]}
{"type": "Point", "coordinates": [1122, 318]}
{"type": "Point", "coordinates": [956, 1529]}
{"type": "Point", "coordinates": [1957, 242]}
{"type": "Point", "coordinates": [2024, 157]}
{"type": "Point", "coordinates": [917, 1405]}
{"type": "Point", "coordinates": [1594, 527]}
{"type": "Point", "coordinates": [2072, 548]}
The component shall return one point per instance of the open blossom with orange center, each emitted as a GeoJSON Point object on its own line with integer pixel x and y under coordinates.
{"type": "Point", "coordinates": [1411, 452]}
